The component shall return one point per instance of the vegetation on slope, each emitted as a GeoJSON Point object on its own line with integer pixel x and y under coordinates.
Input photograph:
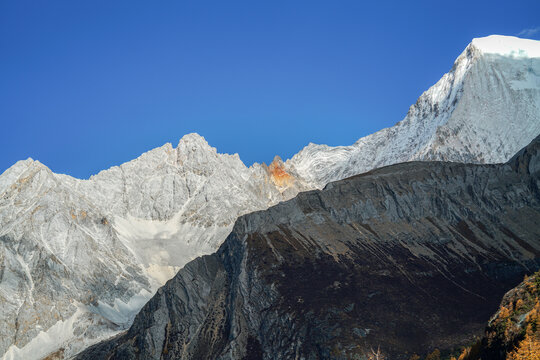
{"type": "Point", "coordinates": [513, 333]}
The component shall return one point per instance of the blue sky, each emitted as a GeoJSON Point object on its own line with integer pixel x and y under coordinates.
{"type": "Point", "coordinates": [85, 85]}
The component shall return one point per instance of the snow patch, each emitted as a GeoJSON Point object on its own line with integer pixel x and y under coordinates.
{"type": "Point", "coordinates": [508, 46]}
{"type": "Point", "coordinates": [122, 313]}
{"type": "Point", "coordinates": [46, 342]}
{"type": "Point", "coordinates": [163, 247]}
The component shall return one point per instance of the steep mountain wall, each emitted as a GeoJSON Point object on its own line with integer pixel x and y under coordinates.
{"type": "Point", "coordinates": [405, 258]}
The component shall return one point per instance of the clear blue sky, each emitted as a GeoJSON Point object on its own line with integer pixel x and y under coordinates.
{"type": "Point", "coordinates": [85, 85]}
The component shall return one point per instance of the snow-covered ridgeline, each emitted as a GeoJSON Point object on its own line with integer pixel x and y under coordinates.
{"type": "Point", "coordinates": [483, 110]}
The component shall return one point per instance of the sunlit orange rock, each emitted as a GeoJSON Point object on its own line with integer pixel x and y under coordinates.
{"type": "Point", "coordinates": [279, 176]}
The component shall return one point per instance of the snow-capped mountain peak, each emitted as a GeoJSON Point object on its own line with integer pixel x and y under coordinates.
{"type": "Point", "coordinates": [483, 110]}
{"type": "Point", "coordinates": [507, 46]}
{"type": "Point", "coordinates": [79, 257]}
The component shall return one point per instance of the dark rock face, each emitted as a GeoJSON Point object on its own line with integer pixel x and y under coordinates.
{"type": "Point", "coordinates": [406, 258]}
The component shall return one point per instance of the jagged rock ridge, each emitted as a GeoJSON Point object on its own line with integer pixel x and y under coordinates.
{"type": "Point", "coordinates": [81, 256]}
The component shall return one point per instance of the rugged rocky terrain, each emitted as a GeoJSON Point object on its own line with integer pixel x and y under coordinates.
{"type": "Point", "coordinates": [409, 257]}
{"type": "Point", "coordinates": [80, 257]}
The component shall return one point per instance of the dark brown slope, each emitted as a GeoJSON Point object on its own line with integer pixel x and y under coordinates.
{"type": "Point", "coordinates": [408, 257]}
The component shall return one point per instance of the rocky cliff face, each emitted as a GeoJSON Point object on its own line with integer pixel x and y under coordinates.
{"type": "Point", "coordinates": [406, 258]}
{"type": "Point", "coordinates": [80, 257]}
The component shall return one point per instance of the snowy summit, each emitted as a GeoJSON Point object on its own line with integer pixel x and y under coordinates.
{"type": "Point", "coordinates": [507, 46]}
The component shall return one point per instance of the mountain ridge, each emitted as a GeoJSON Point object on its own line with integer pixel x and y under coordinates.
{"type": "Point", "coordinates": [407, 257]}
{"type": "Point", "coordinates": [129, 228]}
{"type": "Point", "coordinates": [432, 123]}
